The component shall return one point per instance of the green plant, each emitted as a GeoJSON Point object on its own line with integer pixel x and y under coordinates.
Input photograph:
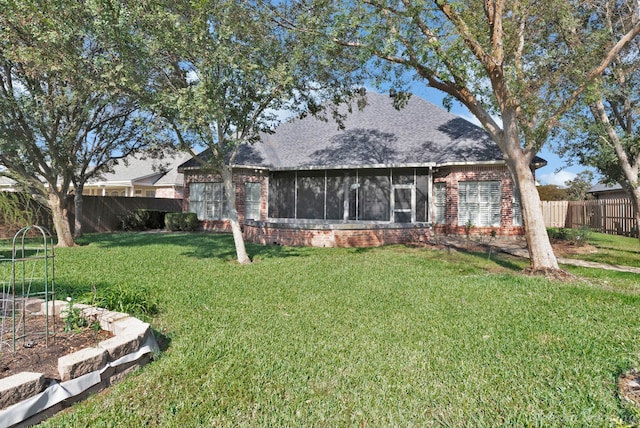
{"type": "Point", "coordinates": [73, 318]}
{"type": "Point", "coordinates": [558, 233]}
{"type": "Point", "coordinates": [130, 222]}
{"type": "Point", "coordinates": [134, 301]}
{"type": "Point", "coordinates": [186, 222]}
{"type": "Point", "coordinates": [581, 235]}
{"type": "Point", "coordinates": [172, 221]}
{"type": "Point", "coordinates": [151, 219]}
{"type": "Point", "coordinates": [467, 228]}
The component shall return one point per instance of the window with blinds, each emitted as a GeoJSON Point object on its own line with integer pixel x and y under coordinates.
{"type": "Point", "coordinates": [439, 203]}
{"type": "Point", "coordinates": [479, 203]}
{"type": "Point", "coordinates": [517, 209]}
{"type": "Point", "coordinates": [207, 201]}
{"type": "Point", "coordinates": [252, 201]}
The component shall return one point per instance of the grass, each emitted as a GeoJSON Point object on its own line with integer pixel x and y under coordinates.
{"type": "Point", "coordinates": [613, 249]}
{"type": "Point", "coordinates": [391, 336]}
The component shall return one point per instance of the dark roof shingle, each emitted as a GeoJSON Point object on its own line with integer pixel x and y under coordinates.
{"type": "Point", "coordinates": [418, 134]}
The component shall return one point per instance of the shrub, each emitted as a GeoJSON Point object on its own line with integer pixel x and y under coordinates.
{"type": "Point", "coordinates": [557, 234]}
{"type": "Point", "coordinates": [190, 222]}
{"type": "Point", "coordinates": [581, 236]}
{"type": "Point", "coordinates": [187, 222]}
{"type": "Point", "coordinates": [578, 236]}
{"type": "Point", "coordinates": [130, 221]}
{"type": "Point", "coordinates": [150, 219]}
{"type": "Point", "coordinates": [143, 219]}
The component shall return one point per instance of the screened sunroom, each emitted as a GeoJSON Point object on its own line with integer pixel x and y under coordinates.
{"type": "Point", "coordinates": [391, 195]}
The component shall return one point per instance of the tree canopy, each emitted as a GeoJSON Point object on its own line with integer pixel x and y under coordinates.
{"type": "Point", "coordinates": [61, 118]}
{"type": "Point", "coordinates": [221, 72]}
{"type": "Point", "coordinates": [603, 130]}
{"type": "Point", "coordinates": [515, 65]}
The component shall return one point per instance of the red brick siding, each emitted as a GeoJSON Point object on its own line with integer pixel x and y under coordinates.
{"type": "Point", "coordinates": [453, 175]}
{"type": "Point", "coordinates": [332, 236]}
{"type": "Point", "coordinates": [240, 177]}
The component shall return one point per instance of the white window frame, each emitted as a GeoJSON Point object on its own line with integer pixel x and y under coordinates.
{"type": "Point", "coordinates": [252, 205]}
{"type": "Point", "coordinates": [516, 208]}
{"type": "Point", "coordinates": [479, 203]}
{"type": "Point", "coordinates": [208, 201]}
{"type": "Point", "coordinates": [412, 202]}
{"type": "Point", "coordinates": [439, 203]}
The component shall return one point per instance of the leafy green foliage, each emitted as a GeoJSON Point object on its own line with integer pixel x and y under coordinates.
{"type": "Point", "coordinates": [18, 210]}
{"type": "Point", "coordinates": [551, 192]}
{"type": "Point", "coordinates": [73, 319]}
{"type": "Point", "coordinates": [526, 62]}
{"type": "Point", "coordinates": [218, 73]}
{"type": "Point", "coordinates": [131, 300]}
{"type": "Point", "coordinates": [578, 236]}
{"type": "Point", "coordinates": [61, 118]}
{"type": "Point", "coordinates": [603, 130]}
{"type": "Point", "coordinates": [186, 222]}
{"type": "Point", "coordinates": [578, 188]}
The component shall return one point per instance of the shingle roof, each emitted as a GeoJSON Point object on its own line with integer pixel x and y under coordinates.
{"type": "Point", "coordinates": [421, 133]}
{"type": "Point", "coordinates": [601, 187]}
{"type": "Point", "coordinates": [145, 168]}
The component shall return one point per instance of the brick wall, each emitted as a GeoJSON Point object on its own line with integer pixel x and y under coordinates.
{"type": "Point", "coordinates": [334, 235]}
{"type": "Point", "coordinates": [453, 175]}
{"type": "Point", "coordinates": [240, 177]}
{"type": "Point", "coordinates": [170, 192]}
{"type": "Point", "coordinates": [360, 235]}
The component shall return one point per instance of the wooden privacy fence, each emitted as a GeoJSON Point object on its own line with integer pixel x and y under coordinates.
{"type": "Point", "coordinates": [612, 216]}
{"type": "Point", "coordinates": [104, 213]}
{"type": "Point", "coordinates": [555, 213]}
{"type": "Point", "coordinates": [101, 213]}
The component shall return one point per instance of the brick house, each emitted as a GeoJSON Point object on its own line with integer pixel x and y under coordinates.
{"type": "Point", "coordinates": [142, 175]}
{"type": "Point", "coordinates": [607, 191]}
{"type": "Point", "coordinates": [389, 176]}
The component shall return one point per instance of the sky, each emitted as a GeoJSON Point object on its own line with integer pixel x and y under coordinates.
{"type": "Point", "coordinates": [555, 172]}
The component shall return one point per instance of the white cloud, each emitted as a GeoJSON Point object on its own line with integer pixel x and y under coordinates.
{"type": "Point", "coordinates": [557, 178]}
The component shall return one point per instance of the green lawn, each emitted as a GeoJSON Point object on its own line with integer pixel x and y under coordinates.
{"type": "Point", "coordinates": [392, 336]}
{"type": "Point", "coordinates": [613, 249]}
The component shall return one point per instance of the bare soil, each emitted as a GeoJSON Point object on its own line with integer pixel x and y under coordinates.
{"type": "Point", "coordinates": [629, 387]}
{"type": "Point", "coordinates": [561, 248]}
{"type": "Point", "coordinates": [32, 353]}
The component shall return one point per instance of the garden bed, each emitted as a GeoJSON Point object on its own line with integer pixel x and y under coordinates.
{"type": "Point", "coordinates": [86, 362]}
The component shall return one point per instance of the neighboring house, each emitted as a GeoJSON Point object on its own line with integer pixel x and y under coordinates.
{"type": "Point", "coordinates": [390, 176]}
{"type": "Point", "coordinates": [142, 176]}
{"type": "Point", "coordinates": [606, 191]}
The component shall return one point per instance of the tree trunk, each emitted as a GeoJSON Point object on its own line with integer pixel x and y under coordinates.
{"type": "Point", "coordinates": [541, 255]}
{"type": "Point", "coordinates": [60, 219]}
{"type": "Point", "coordinates": [541, 252]}
{"type": "Point", "coordinates": [78, 206]}
{"type": "Point", "coordinates": [230, 195]}
{"type": "Point", "coordinates": [635, 200]}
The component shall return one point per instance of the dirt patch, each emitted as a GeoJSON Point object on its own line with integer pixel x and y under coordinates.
{"type": "Point", "coordinates": [569, 247]}
{"type": "Point", "coordinates": [32, 353]}
{"type": "Point", "coordinates": [629, 387]}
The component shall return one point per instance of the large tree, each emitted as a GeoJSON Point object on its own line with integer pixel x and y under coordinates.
{"type": "Point", "coordinates": [603, 131]}
{"type": "Point", "coordinates": [219, 73]}
{"type": "Point", "coordinates": [61, 119]}
{"type": "Point", "coordinates": [513, 64]}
